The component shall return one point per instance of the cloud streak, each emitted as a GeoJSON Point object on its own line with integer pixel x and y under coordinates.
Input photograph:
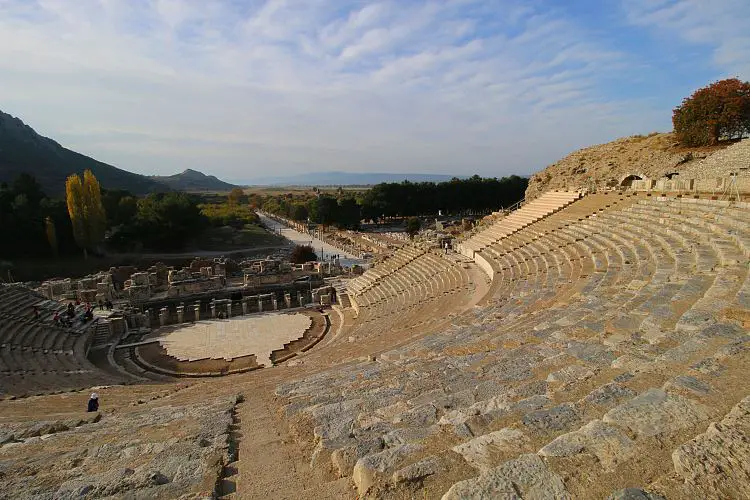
{"type": "Point", "coordinates": [238, 89]}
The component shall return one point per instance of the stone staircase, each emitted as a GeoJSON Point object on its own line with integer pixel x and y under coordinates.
{"type": "Point", "coordinates": [528, 213]}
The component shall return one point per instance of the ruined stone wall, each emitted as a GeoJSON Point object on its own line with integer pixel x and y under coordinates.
{"type": "Point", "coordinates": [652, 156]}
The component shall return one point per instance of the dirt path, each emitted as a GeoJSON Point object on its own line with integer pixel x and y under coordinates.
{"type": "Point", "coordinates": [271, 463]}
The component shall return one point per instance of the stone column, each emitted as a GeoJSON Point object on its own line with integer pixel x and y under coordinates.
{"type": "Point", "coordinates": [288, 300]}
{"type": "Point", "coordinates": [163, 316]}
{"type": "Point", "coordinates": [260, 304]}
{"type": "Point", "coordinates": [180, 314]}
{"type": "Point", "coordinates": [148, 318]}
{"type": "Point", "coordinates": [229, 309]}
{"type": "Point", "coordinates": [275, 303]}
{"type": "Point", "coordinates": [244, 307]}
{"type": "Point", "coordinates": [197, 307]}
{"type": "Point", "coordinates": [213, 310]}
{"type": "Point", "coordinates": [301, 298]}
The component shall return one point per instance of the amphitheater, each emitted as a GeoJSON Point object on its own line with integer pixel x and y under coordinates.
{"type": "Point", "coordinates": [587, 345]}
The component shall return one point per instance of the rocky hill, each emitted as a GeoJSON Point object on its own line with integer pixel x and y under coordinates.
{"type": "Point", "coordinates": [23, 150]}
{"type": "Point", "coordinates": [654, 155]}
{"type": "Point", "coordinates": [192, 180]}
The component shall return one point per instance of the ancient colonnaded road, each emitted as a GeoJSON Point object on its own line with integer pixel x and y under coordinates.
{"type": "Point", "coordinates": [298, 238]}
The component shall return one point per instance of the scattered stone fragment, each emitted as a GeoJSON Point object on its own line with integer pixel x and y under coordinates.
{"type": "Point", "coordinates": [690, 384]}
{"type": "Point", "coordinates": [656, 412]}
{"type": "Point", "coordinates": [609, 444]}
{"type": "Point", "coordinates": [634, 494]}
{"type": "Point", "coordinates": [716, 464]}
{"type": "Point", "coordinates": [570, 374]}
{"type": "Point", "coordinates": [369, 468]}
{"type": "Point", "coordinates": [479, 451]}
{"type": "Point", "coordinates": [558, 418]}
{"type": "Point", "coordinates": [524, 477]}
{"type": "Point", "coordinates": [418, 471]}
{"type": "Point", "coordinates": [608, 394]}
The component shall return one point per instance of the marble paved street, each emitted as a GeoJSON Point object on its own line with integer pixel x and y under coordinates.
{"type": "Point", "coordinates": [236, 337]}
{"type": "Point", "coordinates": [346, 259]}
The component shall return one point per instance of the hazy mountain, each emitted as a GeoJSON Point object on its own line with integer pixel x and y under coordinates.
{"type": "Point", "coordinates": [192, 180]}
{"type": "Point", "coordinates": [23, 150]}
{"type": "Point", "coordinates": [347, 179]}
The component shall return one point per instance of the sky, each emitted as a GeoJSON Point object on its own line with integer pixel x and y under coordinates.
{"type": "Point", "coordinates": [246, 89]}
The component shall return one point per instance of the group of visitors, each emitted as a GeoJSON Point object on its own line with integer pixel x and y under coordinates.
{"type": "Point", "coordinates": [105, 304]}
{"type": "Point", "coordinates": [62, 320]}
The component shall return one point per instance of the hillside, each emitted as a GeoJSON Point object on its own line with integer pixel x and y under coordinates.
{"type": "Point", "coordinates": [192, 180]}
{"type": "Point", "coordinates": [652, 156]}
{"type": "Point", "coordinates": [23, 150]}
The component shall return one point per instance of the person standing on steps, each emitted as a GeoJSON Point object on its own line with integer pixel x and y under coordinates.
{"type": "Point", "coordinates": [93, 402]}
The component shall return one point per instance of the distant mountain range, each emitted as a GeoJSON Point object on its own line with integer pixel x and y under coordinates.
{"type": "Point", "coordinates": [348, 179]}
{"type": "Point", "coordinates": [192, 180]}
{"type": "Point", "coordinates": [23, 150]}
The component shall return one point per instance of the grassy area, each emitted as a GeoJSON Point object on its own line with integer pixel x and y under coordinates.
{"type": "Point", "coordinates": [217, 239]}
{"type": "Point", "coordinates": [228, 238]}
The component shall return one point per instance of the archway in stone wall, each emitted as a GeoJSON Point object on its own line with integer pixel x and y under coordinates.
{"type": "Point", "coordinates": [627, 181]}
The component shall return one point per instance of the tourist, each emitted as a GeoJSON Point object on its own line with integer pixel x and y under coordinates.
{"type": "Point", "coordinates": [36, 312]}
{"type": "Point", "coordinates": [71, 310]}
{"type": "Point", "coordinates": [93, 402]}
{"type": "Point", "coordinates": [56, 318]}
{"type": "Point", "coordinates": [108, 304]}
{"type": "Point", "coordinates": [101, 305]}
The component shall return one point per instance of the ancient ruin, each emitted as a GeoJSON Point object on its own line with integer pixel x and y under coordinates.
{"type": "Point", "coordinates": [587, 344]}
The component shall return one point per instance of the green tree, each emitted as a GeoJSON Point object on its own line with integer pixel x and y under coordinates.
{"type": "Point", "coordinates": [302, 254]}
{"type": "Point", "coordinates": [413, 225]}
{"type": "Point", "coordinates": [96, 217]}
{"type": "Point", "coordinates": [299, 212]}
{"type": "Point", "coordinates": [236, 196]}
{"type": "Point", "coordinates": [49, 228]}
{"type": "Point", "coordinates": [719, 111]}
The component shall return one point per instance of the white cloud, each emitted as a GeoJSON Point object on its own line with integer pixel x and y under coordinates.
{"type": "Point", "coordinates": [722, 25]}
{"type": "Point", "coordinates": [237, 89]}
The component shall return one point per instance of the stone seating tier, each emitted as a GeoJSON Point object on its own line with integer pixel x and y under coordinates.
{"type": "Point", "coordinates": [39, 357]}
{"type": "Point", "coordinates": [527, 214]}
{"type": "Point", "coordinates": [598, 354]}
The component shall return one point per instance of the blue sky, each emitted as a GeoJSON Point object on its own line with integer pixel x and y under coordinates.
{"type": "Point", "coordinates": [248, 89]}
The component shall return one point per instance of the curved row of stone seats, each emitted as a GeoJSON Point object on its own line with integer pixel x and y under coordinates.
{"type": "Point", "coordinates": [412, 298]}
{"type": "Point", "coordinates": [394, 262]}
{"type": "Point", "coordinates": [19, 300]}
{"type": "Point", "coordinates": [37, 356]}
{"type": "Point", "coordinates": [597, 358]}
{"type": "Point", "coordinates": [149, 441]}
{"type": "Point", "coordinates": [549, 203]}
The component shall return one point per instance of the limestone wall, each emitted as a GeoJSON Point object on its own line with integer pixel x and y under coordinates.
{"type": "Point", "coordinates": [652, 156]}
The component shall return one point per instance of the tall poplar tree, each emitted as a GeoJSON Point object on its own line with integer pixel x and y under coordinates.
{"type": "Point", "coordinates": [96, 218]}
{"type": "Point", "coordinates": [85, 209]}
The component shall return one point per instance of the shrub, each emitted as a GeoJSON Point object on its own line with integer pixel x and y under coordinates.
{"type": "Point", "coordinates": [413, 225]}
{"type": "Point", "coordinates": [718, 111]}
{"type": "Point", "coordinates": [302, 254]}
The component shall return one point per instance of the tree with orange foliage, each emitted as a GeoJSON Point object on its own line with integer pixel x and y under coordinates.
{"type": "Point", "coordinates": [718, 111]}
{"type": "Point", "coordinates": [84, 200]}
